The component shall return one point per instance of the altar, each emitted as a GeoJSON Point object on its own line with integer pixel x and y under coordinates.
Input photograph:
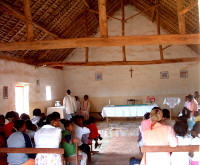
{"type": "Point", "coordinates": [137, 110]}
{"type": "Point", "coordinates": [61, 110]}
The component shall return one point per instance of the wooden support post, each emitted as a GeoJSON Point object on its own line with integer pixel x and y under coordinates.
{"type": "Point", "coordinates": [181, 17]}
{"type": "Point", "coordinates": [170, 113]}
{"type": "Point", "coordinates": [103, 18]}
{"type": "Point", "coordinates": [86, 34]}
{"type": "Point", "coordinates": [158, 30]}
{"type": "Point", "coordinates": [107, 121]}
{"type": "Point", "coordinates": [123, 16]}
{"type": "Point", "coordinates": [29, 26]}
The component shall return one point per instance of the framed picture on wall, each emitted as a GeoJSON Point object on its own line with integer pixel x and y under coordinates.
{"type": "Point", "coordinates": [184, 73]}
{"type": "Point", "coordinates": [164, 75]}
{"type": "Point", "coordinates": [98, 76]}
{"type": "Point", "coordinates": [5, 92]}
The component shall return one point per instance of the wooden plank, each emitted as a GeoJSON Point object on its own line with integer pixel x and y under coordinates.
{"type": "Point", "coordinates": [114, 63]}
{"type": "Point", "coordinates": [12, 11]}
{"type": "Point", "coordinates": [192, 148]}
{"type": "Point", "coordinates": [153, 7]}
{"type": "Point", "coordinates": [170, 39]}
{"type": "Point", "coordinates": [181, 17]}
{"type": "Point", "coordinates": [123, 26]}
{"type": "Point", "coordinates": [86, 34]}
{"type": "Point", "coordinates": [166, 47]}
{"type": "Point", "coordinates": [188, 8]}
{"type": "Point", "coordinates": [43, 55]}
{"type": "Point", "coordinates": [29, 26]}
{"type": "Point", "coordinates": [32, 150]}
{"type": "Point", "coordinates": [158, 30]}
{"type": "Point", "coordinates": [103, 18]}
{"type": "Point", "coordinates": [15, 59]}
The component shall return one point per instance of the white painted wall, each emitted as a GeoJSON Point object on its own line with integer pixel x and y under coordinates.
{"type": "Point", "coordinates": [13, 73]}
{"type": "Point", "coordinates": [117, 84]}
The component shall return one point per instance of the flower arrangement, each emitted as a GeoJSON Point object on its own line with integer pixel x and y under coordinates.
{"type": "Point", "coordinates": [150, 100]}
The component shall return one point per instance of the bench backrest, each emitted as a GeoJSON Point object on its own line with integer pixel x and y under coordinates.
{"type": "Point", "coordinates": [192, 148]}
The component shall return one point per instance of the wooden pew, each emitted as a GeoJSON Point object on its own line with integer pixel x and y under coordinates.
{"type": "Point", "coordinates": [192, 148]}
{"type": "Point", "coordinates": [34, 151]}
{"type": "Point", "coordinates": [77, 158]}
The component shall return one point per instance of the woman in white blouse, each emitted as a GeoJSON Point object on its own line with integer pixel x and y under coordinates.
{"type": "Point", "coordinates": [49, 136]}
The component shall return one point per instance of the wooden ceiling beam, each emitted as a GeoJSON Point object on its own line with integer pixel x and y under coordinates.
{"type": "Point", "coordinates": [15, 59]}
{"type": "Point", "coordinates": [29, 26]}
{"type": "Point", "coordinates": [188, 8]}
{"type": "Point", "coordinates": [113, 63]}
{"type": "Point", "coordinates": [158, 29]}
{"type": "Point", "coordinates": [103, 18]}
{"type": "Point", "coordinates": [12, 11]}
{"type": "Point", "coordinates": [181, 17]}
{"type": "Point", "coordinates": [170, 39]}
{"type": "Point", "coordinates": [123, 29]}
{"type": "Point", "coordinates": [153, 7]}
{"type": "Point", "coordinates": [93, 11]}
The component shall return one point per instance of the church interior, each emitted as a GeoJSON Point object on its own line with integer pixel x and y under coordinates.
{"type": "Point", "coordinates": [127, 56]}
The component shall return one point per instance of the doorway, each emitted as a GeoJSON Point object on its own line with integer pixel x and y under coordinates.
{"type": "Point", "coordinates": [22, 99]}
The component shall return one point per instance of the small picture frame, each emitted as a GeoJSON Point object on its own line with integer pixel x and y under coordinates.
{"type": "Point", "coordinates": [5, 92]}
{"type": "Point", "coordinates": [183, 73]}
{"type": "Point", "coordinates": [98, 76]}
{"type": "Point", "coordinates": [164, 75]}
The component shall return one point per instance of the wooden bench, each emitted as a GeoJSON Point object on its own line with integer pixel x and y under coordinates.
{"type": "Point", "coordinates": [34, 151]}
{"type": "Point", "coordinates": [192, 148]}
{"type": "Point", "coordinates": [76, 158]}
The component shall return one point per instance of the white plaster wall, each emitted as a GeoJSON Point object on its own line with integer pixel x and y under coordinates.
{"type": "Point", "coordinates": [13, 73]}
{"type": "Point", "coordinates": [117, 84]}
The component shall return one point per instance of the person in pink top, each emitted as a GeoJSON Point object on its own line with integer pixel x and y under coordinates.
{"type": "Point", "coordinates": [192, 104]}
{"type": "Point", "coordinates": [158, 135]}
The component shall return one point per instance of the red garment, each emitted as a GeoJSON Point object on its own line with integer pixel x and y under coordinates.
{"type": "Point", "coordinates": [7, 129]}
{"type": "Point", "coordinates": [3, 156]}
{"type": "Point", "coordinates": [93, 131]}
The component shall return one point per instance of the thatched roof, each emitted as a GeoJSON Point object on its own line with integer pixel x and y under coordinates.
{"type": "Point", "coordinates": [54, 19]}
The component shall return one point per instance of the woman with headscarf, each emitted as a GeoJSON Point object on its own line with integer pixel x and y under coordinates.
{"type": "Point", "coordinates": [158, 135]}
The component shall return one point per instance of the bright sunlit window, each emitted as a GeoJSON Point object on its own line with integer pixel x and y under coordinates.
{"type": "Point", "coordinates": [48, 93]}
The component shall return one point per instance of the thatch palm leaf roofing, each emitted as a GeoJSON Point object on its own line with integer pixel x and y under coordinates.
{"type": "Point", "coordinates": [54, 19]}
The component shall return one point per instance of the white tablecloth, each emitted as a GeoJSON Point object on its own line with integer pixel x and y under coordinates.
{"type": "Point", "coordinates": [60, 110]}
{"type": "Point", "coordinates": [126, 111]}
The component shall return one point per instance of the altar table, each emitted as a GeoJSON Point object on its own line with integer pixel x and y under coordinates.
{"type": "Point", "coordinates": [60, 110]}
{"type": "Point", "coordinates": [137, 110]}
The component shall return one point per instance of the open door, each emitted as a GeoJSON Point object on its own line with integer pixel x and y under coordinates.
{"type": "Point", "coordinates": [22, 99]}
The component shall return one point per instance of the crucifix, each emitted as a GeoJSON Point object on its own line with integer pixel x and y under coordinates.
{"type": "Point", "coordinates": [131, 70]}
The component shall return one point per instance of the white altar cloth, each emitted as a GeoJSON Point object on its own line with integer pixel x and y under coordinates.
{"type": "Point", "coordinates": [60, 110]}
{"type": "Point", "coordinates": [126, 111]}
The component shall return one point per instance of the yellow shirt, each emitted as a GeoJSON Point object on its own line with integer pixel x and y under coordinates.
{"type": "Point", "coordinates": [197, 119]}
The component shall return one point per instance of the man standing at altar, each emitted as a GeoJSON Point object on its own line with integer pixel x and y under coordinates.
{"type": "Point", "coordinates": [69, 102]}
{"type": "Point", "coordinates": [192, 104]}
{"type": "Point", "coordinates": [85, 108]}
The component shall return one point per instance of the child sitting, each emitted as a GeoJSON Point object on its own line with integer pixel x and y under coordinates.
{"type": "Point", "coordinates": [94, 131]}
{"type": "Point", "coordinates": [183, 158]}
{"type": "Point", "coordinates": [67, 142]}
{"type": "Point", "coordinates": [196, 141]}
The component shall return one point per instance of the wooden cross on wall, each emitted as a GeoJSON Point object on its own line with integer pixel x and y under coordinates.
{"type": "Point", "coordinates": [131, 70]}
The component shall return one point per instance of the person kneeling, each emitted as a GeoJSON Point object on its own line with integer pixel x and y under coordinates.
{"type": "Point", "coordinates": [67, 142]}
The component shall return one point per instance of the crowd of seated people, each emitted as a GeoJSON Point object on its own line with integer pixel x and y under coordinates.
{"type": "Point", "coordinates": [158, 130]}
{"type": "Point", "coordinates": [45, 132]}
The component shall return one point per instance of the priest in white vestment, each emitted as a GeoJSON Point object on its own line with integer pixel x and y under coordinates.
{"type": "Point", "coordinates": [85, 108]}
{"type": "Point", "coordinates": [69, 102]}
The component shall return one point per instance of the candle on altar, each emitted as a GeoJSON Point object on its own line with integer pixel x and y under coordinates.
{"type": "Point", "coordinates": [109, 102]}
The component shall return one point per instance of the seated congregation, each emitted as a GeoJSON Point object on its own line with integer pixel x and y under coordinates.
{"type": "Point", "coordinates": [46, 132]}
{"type": "Point", "coordinates": [157, 129]}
